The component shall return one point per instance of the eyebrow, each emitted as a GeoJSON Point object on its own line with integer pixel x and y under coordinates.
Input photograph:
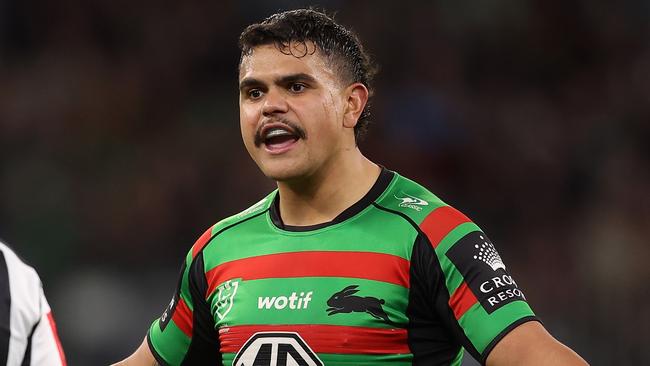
{"type": "Point", "coordinates": [288, 79]}
{"type": "Point", "coordinates": [283, 80]}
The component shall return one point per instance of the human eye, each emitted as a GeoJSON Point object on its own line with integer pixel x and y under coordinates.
{"type": "Point", "coordinates": [297, 87]}
{"type": "Point", "coordinates": [254, 94]}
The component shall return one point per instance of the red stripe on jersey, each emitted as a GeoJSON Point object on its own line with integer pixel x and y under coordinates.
{"type": "Point", "coordinates": [324, 338]}
{"type": "Point", "coordinates": [201, 242]}
{"type": "Point", "coordinates": [440, 222]}
{"type": "Point", "coordinates": [367, 265]}
{"type": "Point", "coordinates": [183, 318]}
{"type": "Point", "coordinates": [461, 300]}
{"type": "Point", "coordinates": [55, 334]}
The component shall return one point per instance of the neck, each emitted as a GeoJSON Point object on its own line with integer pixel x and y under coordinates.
{"type": "Point", "coordinates": [323, 195]}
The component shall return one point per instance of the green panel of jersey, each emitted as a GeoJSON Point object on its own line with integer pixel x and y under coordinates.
{"type": "Point", "coordinates": [398, 278]}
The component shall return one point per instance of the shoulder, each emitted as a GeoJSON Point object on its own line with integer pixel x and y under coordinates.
{"type": "Point", "coordinates": [252, 211]}
{"type": "Point", "coordinates": [17, 267]}
{"type": "Point", "coordinates": [25, 289]}
{"type": "Point", "coordinates": [242, 217]}
{"type": "Point", "coordinates": [415, 202]}
{"type": "Point", "coordinates": [430, 215]}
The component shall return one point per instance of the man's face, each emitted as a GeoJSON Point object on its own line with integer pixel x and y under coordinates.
{"type": "Point", "coordinates": [291, 112]}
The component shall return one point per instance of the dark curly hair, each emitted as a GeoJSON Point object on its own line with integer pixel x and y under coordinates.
{"type": "Point", "coordinates": [340, 46]}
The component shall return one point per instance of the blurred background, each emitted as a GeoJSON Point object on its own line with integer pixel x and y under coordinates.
{"type": "Point", "coordinates": [120, 145]}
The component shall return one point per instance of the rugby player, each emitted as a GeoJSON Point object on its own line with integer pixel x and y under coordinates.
{"type": "Point", "coordinates": [347, 262]}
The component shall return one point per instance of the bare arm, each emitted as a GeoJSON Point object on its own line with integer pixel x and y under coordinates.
{"type": "Point", "coordinates": [141, 357]}
{"type": "Point", "coordinates": [530, 344]}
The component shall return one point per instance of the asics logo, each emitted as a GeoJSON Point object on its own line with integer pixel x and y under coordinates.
{"type": "Point", "coordinates": [412, 202]}
{"type": "Point", "coordinates": [253, 208]}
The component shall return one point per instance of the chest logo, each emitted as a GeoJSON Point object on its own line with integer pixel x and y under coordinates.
{"type": "Point", "coordinates": [225, 294]}
{"type": "Point", "coordinates": [344, 301]}
{"type": "Point", "coordinates": [276, 348]}
{"type": "Point", "coordinates": [412, 202]}
{"type": "Point", "coordinates": [292, 302]}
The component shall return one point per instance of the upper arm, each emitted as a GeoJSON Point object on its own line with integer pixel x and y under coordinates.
{"type": "Point", "coordinates": [478, 299]}
{"type": "Point", "coordinates": [33, 324]}
{"type": "Point", "coordinates": [531, 344]}
{"type": "Point", "coordinates": [46, 345]}
{"type": "Point", "coordinates": [179, 335]}
{"type": "Point", "coordinates": [185, 333]}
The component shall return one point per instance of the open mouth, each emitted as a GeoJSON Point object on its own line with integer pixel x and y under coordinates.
{"type": "Point", "coordinates": [278, 138]}
{"type": "Point", "coordinates": [331, 308]}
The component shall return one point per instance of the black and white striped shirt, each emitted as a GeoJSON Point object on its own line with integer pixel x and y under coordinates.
{"type": "Point", "coordinates": [28, 334]}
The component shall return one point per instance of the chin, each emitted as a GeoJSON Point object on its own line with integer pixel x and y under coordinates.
{"type": "Point", "coordinates": [282, 172]}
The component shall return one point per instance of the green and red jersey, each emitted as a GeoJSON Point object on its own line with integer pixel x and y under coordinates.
{"type": "Point", "coordinates": [398, 278]}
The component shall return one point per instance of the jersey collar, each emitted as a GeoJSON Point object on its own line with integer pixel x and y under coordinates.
{"type": "Point", "coordinates": [382, 182]}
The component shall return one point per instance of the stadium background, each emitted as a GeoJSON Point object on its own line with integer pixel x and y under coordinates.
{"type": "Point", "coordinates": [119, 146]}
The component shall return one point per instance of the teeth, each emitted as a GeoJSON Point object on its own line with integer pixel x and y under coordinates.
{"type": "Point", "coordinates": [273, 132]}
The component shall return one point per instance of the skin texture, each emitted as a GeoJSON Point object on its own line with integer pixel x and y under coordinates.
{"type": "Point", "coordinates": [323, 173]}
{"type": "Point", "coordinates": [141, 357]}
{"type": "Point", "coordinates": [530, 344]}
{"type": "Point", "coordinates": [313, 101]}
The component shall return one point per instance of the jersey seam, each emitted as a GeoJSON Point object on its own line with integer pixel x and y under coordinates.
{"type": "Point", "coordinates": [208, 242]}
{"type": "Point", "coordinates": [402, 215]}
{"type": "Point", "coordinates": [197, 288]}
{"type": "Point", "coordinates": [27, 357]}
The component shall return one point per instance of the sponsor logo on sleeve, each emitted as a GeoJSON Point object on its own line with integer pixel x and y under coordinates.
{"type": "Point", "coordinates": [278, 349]}
{"type": "Point", "coordinates": [169, 311]}
{"type": "Point", "coordinates": [484, 271]}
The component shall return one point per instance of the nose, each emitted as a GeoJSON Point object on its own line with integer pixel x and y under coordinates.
{"type": "Point", "coordinates": [274, 102]}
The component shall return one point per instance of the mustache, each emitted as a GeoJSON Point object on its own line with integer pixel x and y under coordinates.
{"type": "Point", "coordinates": [297, 130]}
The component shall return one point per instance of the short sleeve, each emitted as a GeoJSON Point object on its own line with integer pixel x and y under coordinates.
{"type": "Point", "coordinates": [185, 333]}
{"type": "Point", "coordinates": [29, 326]}
{"type": "Point", "coordinates": [482, 300]}
{"type": "Point", "coordinates": [46, 345]}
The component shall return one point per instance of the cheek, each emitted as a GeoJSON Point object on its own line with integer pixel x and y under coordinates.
{"type": "Point", "coordinates": [247, 122]}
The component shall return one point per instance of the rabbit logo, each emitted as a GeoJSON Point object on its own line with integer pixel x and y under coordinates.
{"type": "Point", "coordinates": [344, 302]}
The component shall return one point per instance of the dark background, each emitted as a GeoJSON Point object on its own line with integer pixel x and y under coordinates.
{"type": "Point", "coordinates": [120, 145]}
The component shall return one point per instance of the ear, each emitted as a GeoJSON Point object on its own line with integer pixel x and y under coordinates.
{"type": "Point", "coordinates": [350, 292]}
{"type": "Point", "coordinates": [357, 97]}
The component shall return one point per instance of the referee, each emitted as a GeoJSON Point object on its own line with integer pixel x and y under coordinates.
{"type": "Point", "coordinates": [27, 331]}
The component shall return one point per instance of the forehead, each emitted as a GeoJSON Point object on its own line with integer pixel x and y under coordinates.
{"type": "Point", "coordinates": [267, 61]}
